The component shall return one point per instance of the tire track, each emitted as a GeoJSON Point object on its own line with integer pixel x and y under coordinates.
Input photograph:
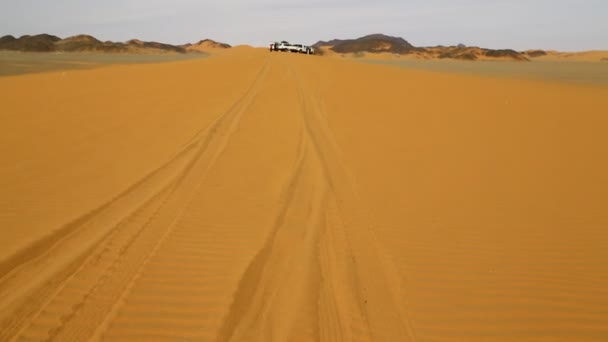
{"type": "Point", "coordinates": [377, 283]}
{"type": "Point", "coordinates": [201, 163]}
{"type": "Point", "coordinates": [279, 289]}
{"type": "Point", "coordinates": [68, 255]}
{"type": "Point", "coordinates": [252, 277]}
{"type": "Point", "coordinates": [40, 262]}
{"type": "Point", "coordinates": [97, 268]}
{"type": "Point", "coordinates": [318, 263]}
{"type": "Point", "coordinates": [193, 273]}
{"type": "Point", "coordinates": [119, 269]}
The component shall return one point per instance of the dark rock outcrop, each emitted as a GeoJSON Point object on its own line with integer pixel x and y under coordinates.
{"type": "Point", "coordinates": [82, 43]}
{"type": "Point", "coordinates": [164, 47]}
{"type": "Point", "coordinates": [373, 43]}
{"type": "Point", "coordinates": [475, 53]}
{"type": "Point", "coordinates": [377, 43]}
{"type": "Point", "coordinates": [504, 53]}
{"type": "Point", "coordinates": [37, 43]}
{"type": "Point", "coordinates": [457, 53]}
{"type": "Point", "coordinates": [535, 53]}
{"type": "Point", "coordinates": [85, 43]}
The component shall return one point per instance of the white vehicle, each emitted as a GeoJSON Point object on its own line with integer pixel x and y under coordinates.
{"type": "Point", "coordinates": [295, 48]}
{"type": "Point", "coordinates": [301, 49]}
{"type": "Point", "coordinates": [285, 46]}
{"type": "Point", "coordinates": [279, 46]}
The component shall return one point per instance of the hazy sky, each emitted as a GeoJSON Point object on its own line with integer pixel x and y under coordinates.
{"type": "Point", "coordinates": [518, 24]}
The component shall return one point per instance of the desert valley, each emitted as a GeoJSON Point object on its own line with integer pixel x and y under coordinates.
{"type": "Point", "coordinates": [375, 191]}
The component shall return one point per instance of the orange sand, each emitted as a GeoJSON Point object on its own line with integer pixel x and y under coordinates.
{"type": "Point", "coordinates": [282, 197]}
{"type": "Point", "coordinates": [584, 56]}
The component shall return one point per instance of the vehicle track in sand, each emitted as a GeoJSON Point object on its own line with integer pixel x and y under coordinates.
{"type": "Point", "coordinates": [123, 234]}
{"type": "Point", "coordinates": [294, 198]}
{"type": "Point", "coordinates": [334, 264]}
{"type": "Point", "coordinates": [172, 266]}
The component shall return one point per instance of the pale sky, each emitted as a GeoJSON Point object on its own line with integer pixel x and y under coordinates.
{"type": "Point", "coordinates": [566, 25]}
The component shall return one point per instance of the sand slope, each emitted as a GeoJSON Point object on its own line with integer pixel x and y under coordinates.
{"type": "Point", "coordinates": [282, 197]}
{"type": "Point", "coordinates": [587, 56]}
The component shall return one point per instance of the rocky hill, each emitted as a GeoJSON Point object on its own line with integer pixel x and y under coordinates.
{"type": "Point", "coordinates": [155, 45]}
{"type": "Point", "coordinates": [472, 53]}
{"type": "Point", "coordinates": [371, 43]}
{"type": "Point", "coordinates": [86, 43]}
{"type": "Point", "coordinates": [37, 43]}
{"type": "Point", "coordinates": [379, 43]}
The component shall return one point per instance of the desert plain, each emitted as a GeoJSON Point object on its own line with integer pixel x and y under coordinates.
{"type": "Point", "coordinates": [258, 196]}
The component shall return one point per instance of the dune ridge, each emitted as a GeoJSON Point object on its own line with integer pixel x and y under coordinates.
{"type": "Point", "coordinates": [206, 45]}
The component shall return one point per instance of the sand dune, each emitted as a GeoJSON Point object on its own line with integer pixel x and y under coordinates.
{"type": "Point", "coordinates": [206, 45]}
{"type": "Point", "coordinates": [586, 56]}
{"type": "Point", "coordinates": [281, 197]}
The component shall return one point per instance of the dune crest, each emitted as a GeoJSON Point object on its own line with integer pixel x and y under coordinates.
{"type": "Point", "coordinates": [206, 45]}
{"type": "Point", "coordinates": [585, 56]}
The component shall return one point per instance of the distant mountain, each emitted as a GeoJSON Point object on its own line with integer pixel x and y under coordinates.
{"type": "Point", "coordinates": [472, 53]}
{"type": "Point", "coordinates": [378, 43]}
{"type": "Point", "coordinates": [86, 43]}
{"type": "Point", "coordinates": [374, 43]}
{"type": "Point", "coordinates": [38, 43]}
